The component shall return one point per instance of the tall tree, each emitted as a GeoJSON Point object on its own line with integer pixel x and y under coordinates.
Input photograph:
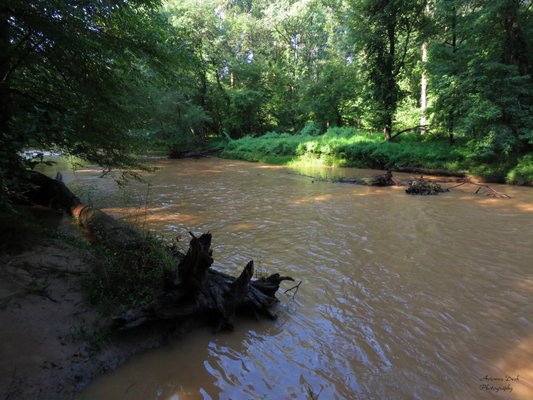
{"type": "Point", "coordinates": [385, 31]}
{"type": "Point", "coordinates": [68, 71]}
{"type": "Point", "coordinates": [479, 70]}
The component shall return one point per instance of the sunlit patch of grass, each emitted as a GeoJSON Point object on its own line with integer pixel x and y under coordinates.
{"type": "Point", "coordinates": [348, 147]}
{"type": "Point", "coordinates": [343, 147]}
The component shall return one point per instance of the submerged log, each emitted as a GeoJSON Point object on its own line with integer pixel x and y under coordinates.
{"type": "Point", "coordinates": [197, 289]}
{"type": "Point", "coordinates": [385, 179]}
{"type": "Point", "coordinates": [429, 171]}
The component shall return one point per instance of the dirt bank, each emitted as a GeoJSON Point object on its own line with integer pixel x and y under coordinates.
{"type": "Point", "coordinates": [52, 342]}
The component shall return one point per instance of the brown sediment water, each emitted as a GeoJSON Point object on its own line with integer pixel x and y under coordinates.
{"type": "Point", "coordinates": [403, 297]}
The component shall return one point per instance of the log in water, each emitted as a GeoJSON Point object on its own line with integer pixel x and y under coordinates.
{"type": "Point", "coordinates": [403, 297]}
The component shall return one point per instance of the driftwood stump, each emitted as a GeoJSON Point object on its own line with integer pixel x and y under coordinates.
{"type": "Point", "coordinates": [379, 180]}
{"type": "Point", "coordinates": [197, 289]}
{"type": "Point", "coordinates": [424, 187]}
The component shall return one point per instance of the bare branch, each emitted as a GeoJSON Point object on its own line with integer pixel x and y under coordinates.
{"type": "Point", "coordinates": [292, 288]}
{"type": "Point", "coordinates": [414, 128]}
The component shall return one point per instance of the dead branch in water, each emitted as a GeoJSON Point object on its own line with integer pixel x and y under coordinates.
{"type": "Point", "coordinates": [292, 288]}
{"type": "Point", "coordinates": [419, 185]}
{"type": "Point", "coordinates": [492, 192]}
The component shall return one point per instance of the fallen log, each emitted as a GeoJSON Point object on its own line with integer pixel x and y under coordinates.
{"type": "Point", "coordinates": [193, 289]}
{"type": "Point", "coordinates": [53, 193]}
{"type": "Point", "coordinates": [194, 154]}
{"type": "Point", "coordinates": [197, 289]}
{"type": "Point", "coordinates": [429, 171]}
{"type": "Point", "coordinates": [385, 179]}
{"type": "Point", "coordinates": [419, 186]}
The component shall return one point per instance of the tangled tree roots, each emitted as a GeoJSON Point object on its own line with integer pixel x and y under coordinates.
{"type": "Point", "coordinates": [197, 289]}
{"type": "Point", "coordinates": [380, 180]}
{"type": "Point", "coordinates": [424, 187]}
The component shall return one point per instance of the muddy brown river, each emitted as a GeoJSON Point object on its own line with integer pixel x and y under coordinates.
{"type": "Point", "coordinates": [403, 297]}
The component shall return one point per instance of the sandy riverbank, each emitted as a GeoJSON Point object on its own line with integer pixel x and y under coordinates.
{"type": "Point", "coordinates": [52, 341]}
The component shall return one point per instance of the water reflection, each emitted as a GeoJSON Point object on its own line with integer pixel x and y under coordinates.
{"type": "Point", "coordinates": [403, 296]}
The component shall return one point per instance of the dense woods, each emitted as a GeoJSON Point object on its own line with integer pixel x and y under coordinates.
{"type": "Point", "coordinates": [102, 80]}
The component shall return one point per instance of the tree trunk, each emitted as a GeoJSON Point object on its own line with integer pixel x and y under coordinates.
{"type": "Point", "coordinates": [5, 95]}
{"type": "Point", "coordinates": [451, 113]}
{"type": "Point", "coordinates": [388, 131]}
{"type": "Point", "coordinates": [391, 89]}
{"type": "Point", "coordinates": [54, 194]}
{"type": "Point", "coordinates": [515, 49]}
{"type": "Point", "coordinates": [423, 89]}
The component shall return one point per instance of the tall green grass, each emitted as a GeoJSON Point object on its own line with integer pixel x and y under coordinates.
{"type": "Point", "coordinates": [345, 147]}
{"type": "Point", "coordinates": [348, 147]}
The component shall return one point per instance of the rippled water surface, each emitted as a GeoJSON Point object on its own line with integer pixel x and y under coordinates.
{"type": "Point", "coordinates": [403, 297]}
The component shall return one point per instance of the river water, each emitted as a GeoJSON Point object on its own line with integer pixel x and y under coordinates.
{"type": "Point", "coordinates": [403, 297]}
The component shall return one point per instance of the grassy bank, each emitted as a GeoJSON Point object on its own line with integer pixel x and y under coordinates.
{"type": "Point", "coordinates": [347, 147]}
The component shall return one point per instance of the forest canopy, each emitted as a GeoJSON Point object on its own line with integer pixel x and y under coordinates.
{"type": "Point", "coordinates": [102, 79]}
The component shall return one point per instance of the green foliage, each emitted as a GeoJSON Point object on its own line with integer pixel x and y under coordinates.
{"type": "Point", "coordinates": [311, 129]}
{"type": "Point", "coordinates": [522, 174]}
{"type": "Point", "coordinates": [73, 78]}
{"type": "Point", "coordinates": [103, 81]}
{"type": "Point", "coordinates": [346, 147]}
{"type": "Point", "coordinates": [385, 33]}
{"type": "Point", "coordinates": [129, 276]}
{"type": "Point", "coordinates": [480, 70]}
{"type": "Point", "coordinates": [244, 111]}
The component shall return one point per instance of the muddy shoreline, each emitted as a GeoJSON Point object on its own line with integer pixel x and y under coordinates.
{"type": "Point", "coordinates": [53, 342]}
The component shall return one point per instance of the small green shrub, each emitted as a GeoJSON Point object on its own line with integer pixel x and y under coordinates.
{"type": "Point", "coordinates": [522, 174]}
{"type": "Point", "coordinates": [348, 147]}
{"type": "Point", "coordinates": [129, 276]}
{"type": "Point", "coordinates": [311, 129]}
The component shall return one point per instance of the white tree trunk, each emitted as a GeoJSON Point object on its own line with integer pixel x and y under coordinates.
{"type": "Point", "coordinates": [423, 90]}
